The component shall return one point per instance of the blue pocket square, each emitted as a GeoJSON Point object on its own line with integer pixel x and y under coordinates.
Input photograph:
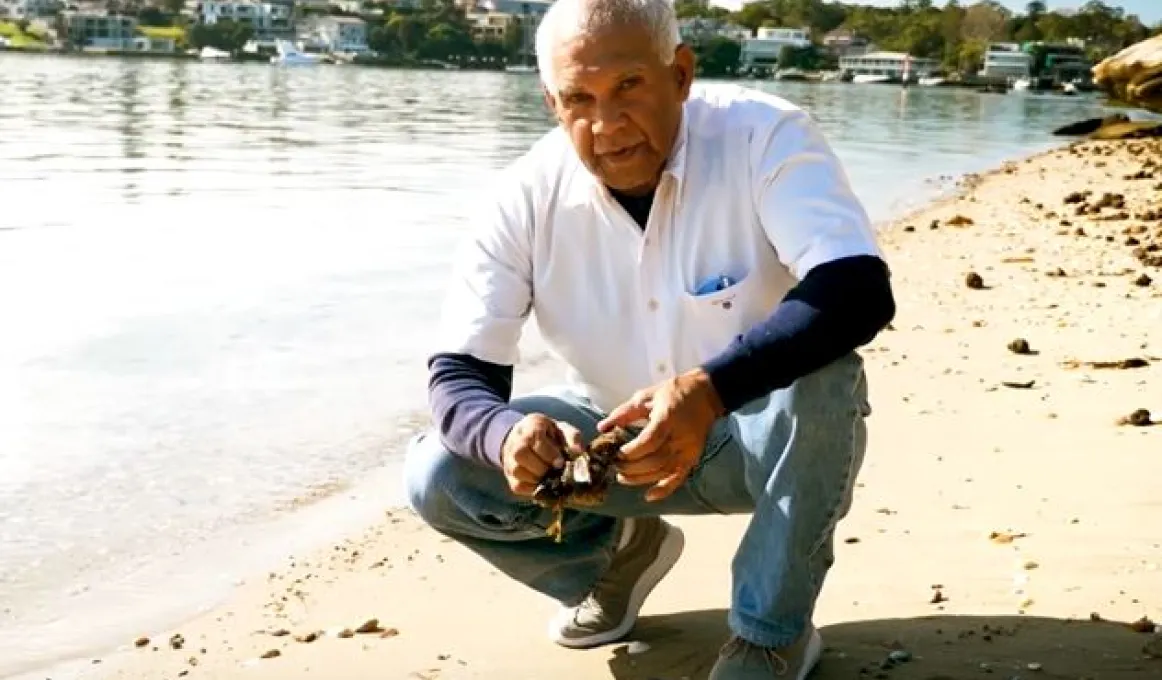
{"type": "Point", "coordinates": [714, 284]}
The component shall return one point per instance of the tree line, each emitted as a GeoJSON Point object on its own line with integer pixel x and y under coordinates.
{"type": "Point", "coordinates": [435, 29]}
{"type": "Point", "coordinates": [954, 34]}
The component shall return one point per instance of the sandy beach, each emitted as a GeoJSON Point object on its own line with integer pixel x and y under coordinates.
{"type": "Point", "coordinates": [1005, 525]}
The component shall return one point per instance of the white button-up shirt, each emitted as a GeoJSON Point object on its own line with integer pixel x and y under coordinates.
{"type": "Point", "coordinates": [751, 191]}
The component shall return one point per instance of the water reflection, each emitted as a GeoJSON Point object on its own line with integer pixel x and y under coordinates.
{"type": "Point", "coordinates": [284, 136]}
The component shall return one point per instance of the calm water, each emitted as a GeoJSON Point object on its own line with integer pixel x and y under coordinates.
{"type": "Point", "coordinates": [214, 286]}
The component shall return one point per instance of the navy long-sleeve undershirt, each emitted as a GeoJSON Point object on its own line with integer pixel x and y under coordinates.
{"type": "Point", "coordinates": [837, 307]}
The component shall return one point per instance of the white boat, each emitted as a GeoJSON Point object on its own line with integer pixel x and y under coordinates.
{"type": "Point", "coordinates": [213, 54]}
{"type": "Point", "coordinates": [868, 79]}
{"type": "Point", "coordinates": [520, 68]}
{"type": "Point", "coordinates": [931, 81]}
{"type": "Point", "coordinates": [289, 55]}
{"type": "Point", "coordinates": [1022, 84]}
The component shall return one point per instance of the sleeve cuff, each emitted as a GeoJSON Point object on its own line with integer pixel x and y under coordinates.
{"type": "Point", "coordinates": [496, 432]}
{"type": "Point", "coordinates": [731, 376]}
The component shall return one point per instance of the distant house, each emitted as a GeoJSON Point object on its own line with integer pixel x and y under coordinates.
{"type": "Point", "coordinates": [29, 9]}
{"type": "Point", "coordinates": [534, 9]}
{"type": "Point", "coordinates": [145, 43]}
{"type": "Point", "coordinates": [490, 26]}
{"type": "Point", "coordinates": [267, 19]}
{"type": "Point", "coordinates": [764, 47]}
{"type": "Point", "coordinates": [335, 34]}
{"type": "Point", "coordinates": [1006, 61]}
{"type": "Point", "coordinates": [844, 43]}
{"type": "Point", "coordinates": [100, 31]}
{"type": "Point", "coordinates": [888, 64]}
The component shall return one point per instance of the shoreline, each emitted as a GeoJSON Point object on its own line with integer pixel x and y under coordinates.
{"type": "Point", "coordinates": [257, 542]}
{"type": "Point", "coordinates": [301, 525]}
{"type": "Point", "coordinates": [345, 575]}
{"type": "Point", "coordinates": [255, 539]}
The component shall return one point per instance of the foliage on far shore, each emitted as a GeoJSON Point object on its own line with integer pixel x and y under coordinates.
{"type": "Point", "coordinates": [956, 34]}
{"type": "Point", "coordinates": [22, 35]}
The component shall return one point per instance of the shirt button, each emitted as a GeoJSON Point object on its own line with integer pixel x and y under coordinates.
{"type": "Point", "coordinates": [661, 368]}
{"type": "Point", "coordinates": [653, 305]}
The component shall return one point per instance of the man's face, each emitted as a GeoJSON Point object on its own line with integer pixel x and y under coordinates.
{"type": "Point", "coordinates": [621, 104]}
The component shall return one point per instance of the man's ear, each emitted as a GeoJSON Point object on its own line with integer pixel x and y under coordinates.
{"type": "Point", "coordinates": [683, 66]}
{"type": "Point", "coordinates": [550, 100]}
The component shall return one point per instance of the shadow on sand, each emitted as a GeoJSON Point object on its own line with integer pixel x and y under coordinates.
{"type": "Point", "coordinates": [683, 646]}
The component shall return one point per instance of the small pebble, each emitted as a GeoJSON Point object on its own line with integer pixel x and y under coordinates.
{"type": "Point", "coordinates": [900, 656]}
{"type": "Point", "coordinates": [637, 647]}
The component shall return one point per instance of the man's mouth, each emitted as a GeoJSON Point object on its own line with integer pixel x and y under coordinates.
{"type": "Point", "coordinates": [622, 154]}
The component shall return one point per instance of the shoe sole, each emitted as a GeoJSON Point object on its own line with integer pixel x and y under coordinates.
{"type": "Point", "coordinates": [668, 554]}
{"type": "Point", "coordinates": [812, 654]}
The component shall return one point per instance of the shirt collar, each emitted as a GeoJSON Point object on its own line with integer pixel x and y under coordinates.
{"type": "Point", "coordinates": [676, 165]}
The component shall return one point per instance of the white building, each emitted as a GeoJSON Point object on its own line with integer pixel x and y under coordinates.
{"type": "Point", "coordinates": [337, 34]}
{"type": "Point", "coordinates": [534, 9]}
{"type": "Point", "coordinates": [490, 26]}
{"type": "Point", "coordinates": [889, 64]}
{"type": "Point", "coordinates": [29, 9]}
{"type": "Point", "coordinates": [764, 47]}
{"type": "Point", "coordinates": [845, 43]}
{"type": "Point", "coordinates": [266, 18]}
{"type": "Point", "coordinates": [1006, 61]}
{"type": "Point", "coordinates": [100, 31]}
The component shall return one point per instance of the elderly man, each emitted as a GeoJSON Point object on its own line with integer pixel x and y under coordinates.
{"type": "Point", "coordinates": [698, 259]}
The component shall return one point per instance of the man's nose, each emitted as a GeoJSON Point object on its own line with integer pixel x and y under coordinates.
{"type": "Point", "coordinates": [608, 118]}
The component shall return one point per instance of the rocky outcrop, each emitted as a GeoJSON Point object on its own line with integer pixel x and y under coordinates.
{"type": "Point", "coordinates": [1117, 126]}
{"type": "Point", "coordinates": [1134, 75]}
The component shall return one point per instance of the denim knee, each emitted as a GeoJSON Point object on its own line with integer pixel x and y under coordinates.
{"type": "Point", "coordinates": [429, 471]}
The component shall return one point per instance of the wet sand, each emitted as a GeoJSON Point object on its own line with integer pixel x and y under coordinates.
{"type": "Point", "coordinates": [1005, 525]}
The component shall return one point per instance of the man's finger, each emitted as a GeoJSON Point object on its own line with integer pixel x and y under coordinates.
{"type": "Point", "coordinates": [573, 439]}
{"type": "Point", "coordinates": [523, 489]}
{"type": "Point", "coordinates": [644, 478]}
{"type": "Point", "coordinates": [626, 414]}
{"type": "Point", "coordinates": [651, 469]}
{"type": "Point", "coordinates": [529, 460]}
{"type": "Point", "coordinates": [548, 452]}
{"type": "Point", "coordinates": [523, 474]}
{"type": "Point", "coordinates": [667, 486]}
{"type": "Point", "coordinates": [652, 438]}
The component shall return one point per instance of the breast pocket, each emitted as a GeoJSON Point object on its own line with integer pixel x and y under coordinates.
{"type": "Point", "coordinates": [713, 320]}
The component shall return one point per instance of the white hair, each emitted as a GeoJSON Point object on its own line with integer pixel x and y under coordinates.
{"type": "Point", "coordinates": [568, 19]}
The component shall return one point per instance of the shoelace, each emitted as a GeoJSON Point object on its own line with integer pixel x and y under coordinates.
{"type": "Point", "coordinates": [737, 645]}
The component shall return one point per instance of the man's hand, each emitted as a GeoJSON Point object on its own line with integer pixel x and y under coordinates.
{"type": "Point", "coordinates": [681, 411]}
{"type": "Point", "coordinates": [533, 446]}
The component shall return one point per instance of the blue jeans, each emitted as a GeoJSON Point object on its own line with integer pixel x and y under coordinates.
{"type": "Point", "coordinates": [790, 459]}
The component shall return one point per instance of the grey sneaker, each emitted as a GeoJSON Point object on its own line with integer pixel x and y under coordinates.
{"type": "Point", "coordinates": [609, 612]}
{"type": "Point", "coordinates": [742, 660]}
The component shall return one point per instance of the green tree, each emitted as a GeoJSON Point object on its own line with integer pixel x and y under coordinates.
{"type": "Point", "coordinates": [718, 56]}
{"type": "Point", "coordinates": [691, 9]}
{"type": "Point", "coordinates": [407, 32]}
{"type": "Point", "coordinates": [446, 41]}
{"type": "Point", "coordinates": [514, 40]}
{"type": "Point", "coordinates": [384, 40]}
{"type": "Point", "coordinates": [224, 34]}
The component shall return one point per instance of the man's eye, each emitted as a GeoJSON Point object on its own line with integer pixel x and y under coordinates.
{"type": "Point", "coordinates": [629, 83]}
{"type": "Point", "coordinates": [576, 99]}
